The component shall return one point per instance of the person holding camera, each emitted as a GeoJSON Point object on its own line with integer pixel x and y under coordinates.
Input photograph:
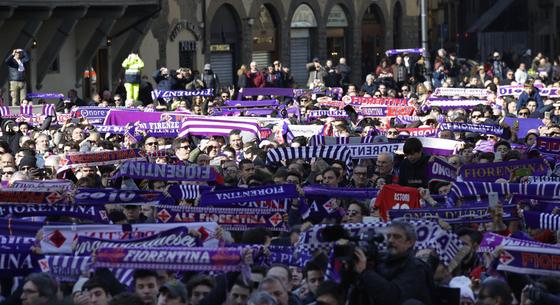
{"type": "Point", "coordinates": [397, 277]}
{"type": "Point", "coordinates": [16, 75]}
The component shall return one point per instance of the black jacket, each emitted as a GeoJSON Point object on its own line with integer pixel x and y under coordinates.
{"type": "Point", "coordinates": [414, 175]}
{"type": "Point", "coordinates": [394, 281]}
{"type": "Point", "coordinates": [13, 73]}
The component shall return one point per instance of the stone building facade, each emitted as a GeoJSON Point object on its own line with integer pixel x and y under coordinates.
{"type": "Point", "coordinates": [228, 33]}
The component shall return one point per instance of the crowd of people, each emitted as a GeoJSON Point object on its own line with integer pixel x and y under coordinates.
{"type": "Point", "coordinates": [409, 188]}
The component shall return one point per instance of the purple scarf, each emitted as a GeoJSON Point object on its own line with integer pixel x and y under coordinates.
{"type": "Point", "coordinates": [45, 95]}
{"type": "Point", "coordinates": [234, 219]}
{"type": "Point", "coordinates": [464, 92]}
{"type": "Point", "coordinates": [289, 92]}
{"type": "Point", "coordinates": [157, 94]}
{"type": "Point", "coordinates": [114, 196]}
{"type": "Point", "coordinates": [176, 237]}
{"type": "Point", "coordinates": [103, 157]}
{"type": "Point", "coordinates": [179, 259]}
{"type": "Point", "coordinates": [43, 185]}
{"type": "Point", "coordinates": [59, 238]}
{"type": "Point", "coordinates": [392, 52]}
{"type": "Point", "coordinates": [313, 114]}
{"type": "Point", "coordinates": [462, 215]}
{"type": "Point", "coordinates": [261, 103]}
{"type": "Point", "coordinates": [204, 126]}
{"type": "Point", "coordinates": [441, 170]}
{"type": "Point", "coordinates": [165, 172]}
{"type": "Point", "coordinates": [491, 171]}
{"type": "Point", "coordinates": [65, 268]}
{"type": "Point", "coordinates": [94, 213]}
{"type": "Point", "coordinates": [476, 128]}
{"type": "Point", "coordinates": [523, 256]}
{"type": "Point", "coordinates": [246, 196]}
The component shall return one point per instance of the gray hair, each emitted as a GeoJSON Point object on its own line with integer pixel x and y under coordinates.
{"type": "Point", "coordinates": [389, 155]}
{"type": "Point", "coordinates": [261, 298]}
{"type": "Point", "coordinates": [409, 230]}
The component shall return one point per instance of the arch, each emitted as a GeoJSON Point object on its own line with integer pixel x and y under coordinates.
{"type": "Point", "coordinates": [225, 36]}
{"type": "Point", "coordinates": [373, 37]}
{"type": "Point", "coordinates": [341, 46]}
{"type": "Point", "coordinates": [266, 35]}
{"type": "Point", "coordinates": [397, 25]}
{"type": "Point", "coordinates": [303, 17]}
{"type": "Point", "coordinates": [313, 4]}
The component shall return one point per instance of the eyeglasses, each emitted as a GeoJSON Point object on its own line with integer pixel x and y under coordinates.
{"type": "Point", "coordinates": [185, 147]}
{"type": "Point", "coordinates": [392, 132]}
{"type": "Point", "coordinates": [152, 144]}
{"type": "Point", "coordinates": [26, 168]}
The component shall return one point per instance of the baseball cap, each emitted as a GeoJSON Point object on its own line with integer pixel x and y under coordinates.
{"type": "Point", "coordinates": [175, 289]}
{"type": "Point", "coordinates": [207, 67]}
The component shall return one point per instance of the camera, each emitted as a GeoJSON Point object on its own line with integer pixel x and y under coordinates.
{"type": "Point", "coordinates": [367, 239]}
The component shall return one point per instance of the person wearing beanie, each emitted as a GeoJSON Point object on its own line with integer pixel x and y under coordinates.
{"type": "Point", "coordinates": [27, 163]}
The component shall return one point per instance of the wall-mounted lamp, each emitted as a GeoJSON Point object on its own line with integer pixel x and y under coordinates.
{"type": "Point", "coordinates": [34, 43]}
{"type": "Point", "coordinates": [109, 41]}
{"type": "Point", "coordinates": [250, 21]}
{"type": "Point", "coordinates": [201, 24]}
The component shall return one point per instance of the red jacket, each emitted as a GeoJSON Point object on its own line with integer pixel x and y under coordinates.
{"type": "Point", "coordinates": [255, 80]}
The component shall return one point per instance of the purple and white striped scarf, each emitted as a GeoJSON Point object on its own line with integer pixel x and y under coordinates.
{"type": "Point", "coordinates": [276, 155]}
{"type": "Point", "coordinates": [469, 189]}
{"type": "Point", "coordinates": [429, 236]}
{"type": "Point", "coordinates": [545, 221]}
{"type": "Point", "coordinates": [251, 103]}
{"type": "Point", "coordinates": [408, 119]}
{"type": "Point", "coordinates": [65, 268]}
{"type": "Point", "coordinates": [48, 110]}
{"type": "Point", "coordinates": [330, 140]}
{"type": "Point", "coordinates": [5, 111]}
{"type": "Point", "coordinates": [314, 114]}
{"type": "Point", "coordinates": [216, 126]}
{"type": "Point", "coordinates": [26, 110]}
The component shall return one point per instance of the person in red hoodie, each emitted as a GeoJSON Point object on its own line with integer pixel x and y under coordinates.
{"type": "Point", "coordinates": [255, 78]}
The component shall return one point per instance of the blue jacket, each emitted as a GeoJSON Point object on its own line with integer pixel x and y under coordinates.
{"type": "Point", "coordinates": [13, 73]}
{"type": "Point", "coordinates": [524, 98]}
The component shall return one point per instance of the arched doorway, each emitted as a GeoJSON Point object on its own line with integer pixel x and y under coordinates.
{"type": "Point", "coordinates": [302, 33]}
{"type": "Point", "coordinates": [373, 32]}
{"type": "Point", "coordinates": [225, 43]}
{"type": "Point", "coordinates": [265, 37]}
{"type": "Point", "coordinates": [397, 26]}
{"type": "Point", "coordinates": [337, 36]}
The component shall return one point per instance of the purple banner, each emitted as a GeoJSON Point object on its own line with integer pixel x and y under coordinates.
{"type": "Point", "coordinates": [122, 117]}
{"type": "Point", "coordinates": [156, 93]}
{"type": "Point", "coordinates": [234, 219]}
{"type": "Point", "coordinates": [95, 115]}
{"type": "Point", "coordinates": [524, 125]}
{"type": "Point", "coordinates": [176, 237]}
{"type": "Point", "coordinates": [154, 171]}
{"type": "Point", "coordinates": [21, 197]}
{"type": "Point", "coordinates": [492, 171]}
{"type": "Point", "coordinates": [462, 215]}
{"type": "Point", "coordinates": [339, 192]}
{"type": "Point", "coordinates": [250, 197]}
{"type": "Point", "coordinates": [441, 170]}
{"type": "Point", "coordinates": [178, 259]}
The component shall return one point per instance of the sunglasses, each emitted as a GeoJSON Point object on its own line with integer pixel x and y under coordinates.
{"type": "Point", "coordinates": [524, 113]}
{"type": "Point", "coordinates": [152, 144]}
{"type": "Point", "coordinates": [392, 132]}
{"type": "Point", "coordinates": [7, 173]}
{"type": "Point", "coordinates": [476, 116]}
{"type": "Point", "coordinates": [185, 147]}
